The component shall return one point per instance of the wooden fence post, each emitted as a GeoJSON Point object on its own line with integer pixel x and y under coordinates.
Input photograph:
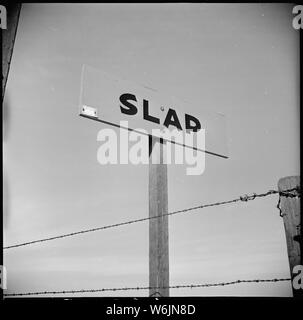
{"type": "Point", "coordinates": [290, 211]}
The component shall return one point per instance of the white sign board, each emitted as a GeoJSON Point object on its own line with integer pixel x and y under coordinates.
{"type": "Point", "coordinates": [110, 100]}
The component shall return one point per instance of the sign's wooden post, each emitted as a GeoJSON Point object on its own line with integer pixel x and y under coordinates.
{"type": "Point", "coordinates": [290, 211]}
{"type": "Point", "coordinates": [158, 228]}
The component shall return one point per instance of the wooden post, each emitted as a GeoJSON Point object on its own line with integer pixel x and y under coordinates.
{"type": "Point", "coordinates": [158, 228]}
{"type": "Point", "coordinates": [8, 39]}
{"type": "Point", "coordinates": [290, 211]}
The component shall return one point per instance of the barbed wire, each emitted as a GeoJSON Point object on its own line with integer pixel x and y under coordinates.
{"type": "Point", "coordinates": [190, 286]}
{"type": "Point", "coordinates": [287, 195]}
{"type": "Point", "coordinates": [245, 198]}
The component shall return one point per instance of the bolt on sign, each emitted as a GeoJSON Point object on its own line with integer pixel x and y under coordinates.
{"type": "Point", "coordinates": [110, 100]}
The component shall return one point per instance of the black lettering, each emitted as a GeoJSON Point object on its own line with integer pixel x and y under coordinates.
{"type": "Point", "coordinates": [172, 119]}
{"type": "Point", "coordinates": [146, 116]}
{"type": "Point", "coordinates": [195, 127]}
{"type": "Point", "coordinates": [131, 109]}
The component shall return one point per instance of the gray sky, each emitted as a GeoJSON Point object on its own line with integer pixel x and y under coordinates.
{"type": "Point", "coordinates": [241, 60]}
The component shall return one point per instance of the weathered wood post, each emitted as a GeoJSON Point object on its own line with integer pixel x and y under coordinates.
{"type": "Point", "coordinates": [158, 228]}
{"type": "Point", "coordinates": [290, 212]}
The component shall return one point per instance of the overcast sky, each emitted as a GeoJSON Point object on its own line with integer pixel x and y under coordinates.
{"type": "Point", "coordinates": [241, 60]}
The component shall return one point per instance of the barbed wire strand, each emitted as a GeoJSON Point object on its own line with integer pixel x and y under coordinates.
{"type": "Point", "coordinates": [191, 286]}
{"type": "Point", "coordinates": [287, 193]}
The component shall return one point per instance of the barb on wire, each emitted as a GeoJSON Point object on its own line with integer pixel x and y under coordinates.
{"type": "Point", "coordinates": [156, 293]}
{"type": "Point", "coordinates": [191, 286]}
{"type": "Point", "coordinates": [241, 198]}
